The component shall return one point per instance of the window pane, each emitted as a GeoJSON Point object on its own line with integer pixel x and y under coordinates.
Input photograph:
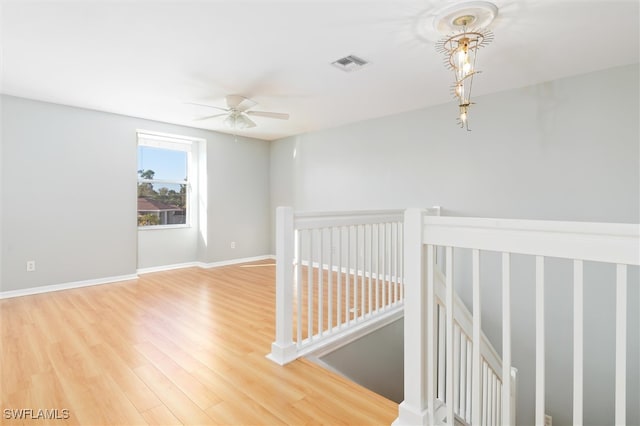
{"type": "Point", "coordinates": [157, 163]}
{"type": "Point", "coordinates": [162, 204]}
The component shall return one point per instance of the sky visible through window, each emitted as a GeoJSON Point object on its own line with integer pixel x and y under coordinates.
{"type": "Point", "coordinates": [166, 163]}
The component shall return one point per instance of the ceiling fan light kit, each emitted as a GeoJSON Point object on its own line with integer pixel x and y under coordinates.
{"type": "Point", "coordinates": [238, 111]}
{"type": "Point", "coordinates": [466, 25]}
{"type": "Point", "coordinates": [238, 121]}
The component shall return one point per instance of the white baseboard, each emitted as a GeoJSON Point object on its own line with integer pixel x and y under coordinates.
{"type": "Point", "coordinates": [66, 286]}
{"type": "Point", "coordinates": [168, 267]}
{"type": "Point", "coordinates": [108, 280]}
{"type": "Point", "coordinates": [236, 261]}
{"type": "Point", "coordinates": [204, 265]}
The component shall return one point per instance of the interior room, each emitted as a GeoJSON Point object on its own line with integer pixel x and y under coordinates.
{"type": "Point", "coordinates": [136, 288]}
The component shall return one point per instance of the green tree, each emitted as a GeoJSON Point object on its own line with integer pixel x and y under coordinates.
{"type": "Point", "coordinates": [146, 174]}
{"type": "Point", "coordinates": [148, 219]}
{"type": "Point", "coordinates": [145, 189]}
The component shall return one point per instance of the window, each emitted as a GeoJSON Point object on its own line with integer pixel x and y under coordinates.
{"type": "Point", "coordinates": [164, 184]}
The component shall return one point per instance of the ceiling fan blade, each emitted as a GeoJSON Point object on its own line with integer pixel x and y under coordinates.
{"type": "Point", "coordinates": [208, 106]}
{"type": "Point", "coordinates": [250, 123]}
{"type": "Point", "coordinates": [239, 103]}
{"type": "Point", "coordinates": [278, 115]}
{"type": "Point", "coordinates": [209, 116]}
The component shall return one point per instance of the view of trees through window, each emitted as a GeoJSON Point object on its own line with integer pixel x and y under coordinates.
{"type": "Point", "coordinates": [162, 186]}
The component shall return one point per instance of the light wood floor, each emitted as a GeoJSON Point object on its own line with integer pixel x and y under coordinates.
{"type": "Point", "coordinates": [177, 347]}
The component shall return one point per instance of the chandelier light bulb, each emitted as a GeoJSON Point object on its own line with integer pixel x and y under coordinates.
{"type": "Point", "coordinates": [460, 90]}
{"type": "Point", "coordinates": [466, 68]}
{"type": "Point", "coordinates": [463, 114]}
{"type": "Point", "coordinates": [462, 57]}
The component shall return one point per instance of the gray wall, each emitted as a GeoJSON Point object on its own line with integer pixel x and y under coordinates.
{"type": "Point", "coordinates": [67, 193]}
{"type": "Point", "coordinates": [360, 358]}
{"type": "Point", "coordinates": [562, 150]}
{"type": "Point", "coordinates": [238, 198]}
{"type": "Point", "coordinates": [69, 197]}
{"type": "Point", "coordinates": [566, 149]}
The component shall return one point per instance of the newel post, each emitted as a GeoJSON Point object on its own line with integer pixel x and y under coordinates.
{"type": "Point", "coordinates": [414, 410]}
{"type": "Point", "coordinates": [283, 350]}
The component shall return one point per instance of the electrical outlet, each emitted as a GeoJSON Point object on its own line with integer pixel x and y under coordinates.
{"type": "Point", "coordinates": [233, 244]}
{"type": "Point", "coordinates": [31, 265]}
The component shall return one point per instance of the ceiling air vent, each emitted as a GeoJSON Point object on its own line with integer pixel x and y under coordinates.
{"type": "Point", "coordinates": [349, 63]}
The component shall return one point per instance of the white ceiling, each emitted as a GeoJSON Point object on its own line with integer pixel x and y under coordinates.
{"type": "Point", "coordinates": [147, 58]}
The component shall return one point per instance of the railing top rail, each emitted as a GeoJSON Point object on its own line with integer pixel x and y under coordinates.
{"type": "Point", "coordinates": [342, 213]}
{"type": "Point", "coordinates": [599, 242]}
{"type": "Point", "coordinates": [307, 220]}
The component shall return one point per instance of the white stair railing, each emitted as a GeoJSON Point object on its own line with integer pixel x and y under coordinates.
{"type": "Point", "coordinates": [339, 274]}
{"type": "Point", "coordinates": [336, 274]}
{"type": "Point", "coordinates": [462, 355]}
{"type": "Point", "coordinates": [617, 244]}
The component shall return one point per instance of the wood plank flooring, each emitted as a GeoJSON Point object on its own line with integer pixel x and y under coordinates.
{"type": "Point", "coordinates": [177, 347]}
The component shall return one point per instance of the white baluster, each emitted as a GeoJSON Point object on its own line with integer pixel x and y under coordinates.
{"type": "Point", "coordinates": [506, 336]}
{"type": "Point", "coordinates": [389, 262]}
{"type": "Point", "coordinates": [578, 340]}
{"type": "Point", "coordinates": [299, 289]}
{"type": "Point", "coordinates": [401, 248]}
{"type": "Point", "coordinates": [490, 396]}
{"type": "Point", "coordinates": [310, 288]}
{"type": "Point", "coordinates": [330, 283]}
{"type": "Point", "coordinates": [396, 296]}
{"type": "Point", "coordinates": [499, 390]}
{"type": "Point", "coordinates": [339, 280]}
{"type": "Point", "coordinates": [621, 344]}
{"type": "Point", "coordinates": [378, 240]}
{"type": "Point", "coordinates": [347, 295]}
{"type": "Point", "coordinates": [463, 376]}
{"type": "Point", "coordinates": [370, 269]}
{"type": "Point", "coordinates": [320, 282]}
{"type": "Point", "coordinates": [476, 381]}
{"type": "Point", "coordinates": [469, 382]}
{"type": "Point", "coordinates": [494, 398]}
{"type": "Point", "coordinates": [456, 368]}
{"type": "Point", "coordinates": [441, 352]}
{"type": "Point", "coordinates": [384, 264]}
{"type": "Point", "coordinates": [431, 311]}
{"type": "Point", "coordinates": [485, 394]}
{"type": "Point", "coordinates": [450, 349]}
{"type": "Point", "coordinates": [540, 391]}
{"type": "Point", "coordinates": [363, 277]}
{"type": "Point", "coordinates": [355, 272]}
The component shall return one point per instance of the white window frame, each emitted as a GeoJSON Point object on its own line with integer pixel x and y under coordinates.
{"type": "Point", "coordinates": [176, 143]}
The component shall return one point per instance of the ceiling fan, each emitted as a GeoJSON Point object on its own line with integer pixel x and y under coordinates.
{"type": "Point", "coordinates": [238, 111]}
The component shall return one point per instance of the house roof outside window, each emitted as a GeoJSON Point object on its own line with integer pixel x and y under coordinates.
{"type": "Point", "coordinates": [150, 205]}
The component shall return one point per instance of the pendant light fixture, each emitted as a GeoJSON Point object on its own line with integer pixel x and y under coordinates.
{"type": "Point", "coordinates": [468, 22]}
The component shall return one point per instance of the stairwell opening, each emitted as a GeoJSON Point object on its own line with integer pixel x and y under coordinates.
{"type": "Point", "coordinates": [375, 361]}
